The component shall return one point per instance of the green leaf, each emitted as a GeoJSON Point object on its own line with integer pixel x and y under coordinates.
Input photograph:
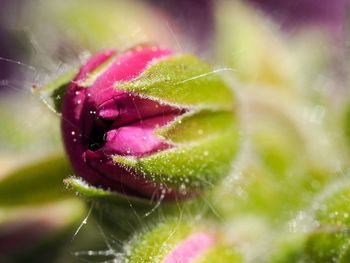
{"type": "Point", "coordinates": [35, 206]}
{"type": "Point", "coordinates": [182, 80]}
{"type": "Point", "coordinates": [36, 183]}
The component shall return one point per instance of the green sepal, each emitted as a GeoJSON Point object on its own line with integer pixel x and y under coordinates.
{"type": "Point", "coordinates": [197, 126]}
{"type": "Point", "coordinates": [89, 192]}
{"type": "Point", "coordinates": [182, 80]}
{"type": "Point", "coordinates": [205, 137]}
{"type": "Point", "coordinates": [138, 205]}
{"type": "Point", "coordinates": [194, 165]}
{"type": "Point", "coordinates": [53, 92]}
{"type": "Point", "coordinates": [115, 212]}
{"type": "Point", "coordinates": [126, 214]}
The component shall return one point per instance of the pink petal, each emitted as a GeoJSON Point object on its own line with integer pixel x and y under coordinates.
{"type": "Point", "coordinates": [137, 139]}
{"type": "Point", "coordinates": [193, 247]}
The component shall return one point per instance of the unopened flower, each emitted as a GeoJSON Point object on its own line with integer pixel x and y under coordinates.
{"type": "Point", "coordinates": [174, 241]}
{"type": "Point", "coordinates": [149, 123]}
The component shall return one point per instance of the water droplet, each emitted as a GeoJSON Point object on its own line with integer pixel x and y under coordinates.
{"type": "Point", "coordinates": [77, 93]}
{"type": "Point", "coordinates": [79, 101]}
{"type": "Point", "coordinates": [89, 94]}
{"type": "Point", "coordinates": [73, 132]}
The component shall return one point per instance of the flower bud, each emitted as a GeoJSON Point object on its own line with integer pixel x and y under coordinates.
{"type": "Point", "coordinates": [149, 123]}
{"type": "Point", "coordinates": [174, 241]}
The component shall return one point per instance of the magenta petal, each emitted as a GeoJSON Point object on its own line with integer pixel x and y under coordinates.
{"type": "Point", "coordinates": [133, 108]}
{"type": "Point", "coordinates": [108, 110]}
{"type": "Point", "coordinates": [93, 63]}
{"type": "Point", "coordinates": [100, 121]}
{"type": "Point", "coordinates": [137, 139]}
{"type": "Point", "coordinates": [126, 67]}
{"type": "Point", "coordinates": [73, 119]}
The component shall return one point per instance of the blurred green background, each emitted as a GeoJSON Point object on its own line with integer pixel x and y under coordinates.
{"type": "Point", "coordinates": [287, 62]}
